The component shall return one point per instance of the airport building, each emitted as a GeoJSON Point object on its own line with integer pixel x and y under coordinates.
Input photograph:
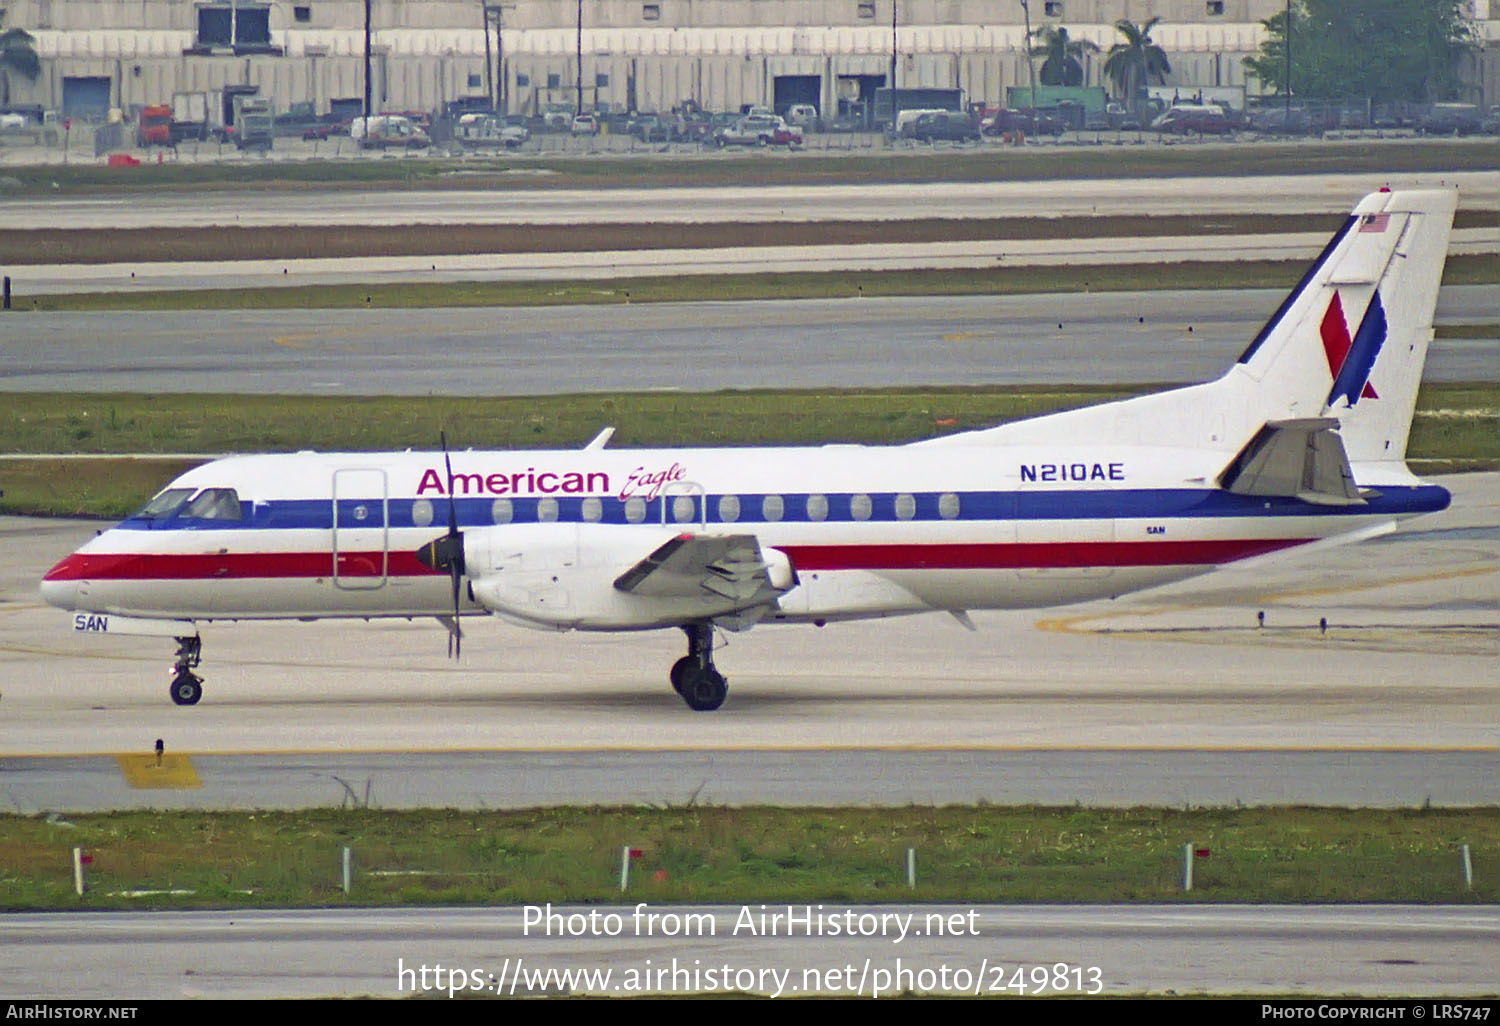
{"type": "Point", "coordinates": [615, 55]}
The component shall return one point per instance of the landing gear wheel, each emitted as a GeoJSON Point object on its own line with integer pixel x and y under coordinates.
{"type": "Point", "coordinates": [679, 671]}
{"type": "Point", "coordinates": [187, 688]}
{"type": "Point", "coordinates": [704, 690]}
{"type": "Point", "coordinates": [693, 676]}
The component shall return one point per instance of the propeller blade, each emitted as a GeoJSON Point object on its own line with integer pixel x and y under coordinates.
{"type": "Point", "coordinates": [448, 552]}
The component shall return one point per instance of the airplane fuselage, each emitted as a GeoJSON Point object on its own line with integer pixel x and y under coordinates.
{"type": "Point", "coordinates": [868, 531]}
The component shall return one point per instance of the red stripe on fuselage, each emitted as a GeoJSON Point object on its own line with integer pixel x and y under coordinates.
{"type": "Point", "coordinates": [1004, 556]}
{"type": "Point", "coordinates": [135, 566]}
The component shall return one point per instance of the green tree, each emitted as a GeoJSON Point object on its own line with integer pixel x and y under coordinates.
{"type": "Point", "coordinates": [18, 55]}
{"type": "Point", "coordinates": [1064, 63]}
{"type": "Point", "coordinates": [1386, 50]}
{"type": "Point", "coordinates": [1135, 62]}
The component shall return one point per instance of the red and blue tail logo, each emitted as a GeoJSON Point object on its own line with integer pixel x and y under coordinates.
{"type": "Point", "coordinates": [1351, 360]}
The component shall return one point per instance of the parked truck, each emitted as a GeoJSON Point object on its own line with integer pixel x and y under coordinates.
{"type": "Point", "coordinates": [154, 126]}
{"type": "Point", "coordinates": [254, 123]}
{"type": "Point", "coordinates": [189, 116]}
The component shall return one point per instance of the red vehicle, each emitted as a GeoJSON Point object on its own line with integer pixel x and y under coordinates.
{"type": "Point", "coordinates": [155, 126]}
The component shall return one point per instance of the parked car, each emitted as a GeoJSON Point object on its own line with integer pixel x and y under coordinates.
{"type": "Point", "coordinates": [585, 124]}
{"type": "Point", "coordinates": [649, 128]}
{"type": "Point", "coordinates": [1280, 121]}
{"type": "Point", "coordinates": [1027, 122]}
{"type": "Point", "coordinates": [486, 131]}
{"type": "Point", "coordinates": [949, 124]}
{"type": "Point", "coordinates": [1188, 119]}
{"type": "Point", "coordinates": [326, 127]}
{"type": "Point", "coordinates": [759, 130]}
{"type": "Point", "coordinates": [388, 131]}
{"type": "Point", "coordinates": [804, 116]}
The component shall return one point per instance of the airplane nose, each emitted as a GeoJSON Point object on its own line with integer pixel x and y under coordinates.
{"type": "Point", "coordinates": [60, 586]}
{"type": "Point", "coordinates": [62, 594]}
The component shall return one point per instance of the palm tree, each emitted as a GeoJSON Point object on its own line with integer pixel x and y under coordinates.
{"type": "Point", "coordinates": [1136, 61]}
{"type": "Point", "coordinates": [1064, 63]}
{"type": "Point", "coordinates": [17, 54]}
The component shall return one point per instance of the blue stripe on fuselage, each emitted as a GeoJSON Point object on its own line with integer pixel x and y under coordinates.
{"type": "Point", "coordinates": [1083, 504]}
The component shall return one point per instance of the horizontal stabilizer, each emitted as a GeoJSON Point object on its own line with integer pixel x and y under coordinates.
{"type": "Point", "coordinates": [1301, 459]}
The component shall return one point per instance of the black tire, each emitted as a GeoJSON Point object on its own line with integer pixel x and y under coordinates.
{"type": "Point", "coordinates": [703, 690]}
{"type": "Point", "coordinates": [186, 689]}
{"type": "Point", "coordinates": [679, 669]}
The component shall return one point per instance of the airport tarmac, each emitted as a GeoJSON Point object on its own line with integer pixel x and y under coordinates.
{"type": "Point", "coordinates": [1407, 666]}
{"type": "Point", "coordinates": [1104, 338]}
{"type": "Point", "coordinates": [876, 201]}
{"type": "Point", "coordinates": [1402, 951]}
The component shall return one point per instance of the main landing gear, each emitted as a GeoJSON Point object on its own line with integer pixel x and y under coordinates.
{"type": "Point", "coordinates": [187, 686]}
{"type": "Point", "coordinates": [701, 686]}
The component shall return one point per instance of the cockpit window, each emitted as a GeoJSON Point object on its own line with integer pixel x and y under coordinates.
{"type": "Point", "coordinates": [214, 504]}
{"type": "Point", "coordinates": [164, 505]}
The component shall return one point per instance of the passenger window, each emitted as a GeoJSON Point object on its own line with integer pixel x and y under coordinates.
{"type": "Point", "coordinates": [214, 504]}
{"type": "Point", "coordinates": [682, 508]}
{"type": "Point", "coordinates": [593, 510]}
{"type": "Point", "coordinates": [546, 511]}
{"type": "Point", "coordinates": [502, 512]}
{"type": "Point", "coordinates": [860, 507]}
{"type": "Point", "coordinates": [906, 506]}
{"type": "Point", "coordinates": [948, 506]}
{"type": "Point", "coordinates": [729, 508]}
{"type": "Point", "coordinates": [817, 507]}
{"type": "Point", "coordinates": [635, 509]}
{"type": "Point", "coordinates": [421, 512]}
{"type": "Point", "coordinates": [772, 508]}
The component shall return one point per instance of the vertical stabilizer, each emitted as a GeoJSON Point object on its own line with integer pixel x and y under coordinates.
{"type": "Point", "coordinates": [1351, 340]}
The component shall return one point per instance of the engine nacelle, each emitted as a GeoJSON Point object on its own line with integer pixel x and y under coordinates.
{"type": "Point", "coordinates": [562, 576]}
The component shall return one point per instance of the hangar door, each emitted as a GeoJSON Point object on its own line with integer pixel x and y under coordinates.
{"type": "Point", "coordinates": [86, 98]}
{"type": "Point", "coordinates": [794, 89]}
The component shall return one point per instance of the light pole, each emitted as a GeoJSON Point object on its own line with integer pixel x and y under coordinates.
{"type": "Point", "coordinates": [1287, 124]}
{"type": "Point", "coordinates": [894, 110]}
{"type": "Point", "coordinates": [579, 111]}
{"type": "Point", "coordinates": [1030, 63]}
{"type": "Point", "coordinates": [498, 96]}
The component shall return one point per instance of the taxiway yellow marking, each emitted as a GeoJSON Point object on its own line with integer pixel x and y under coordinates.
{"type": "Point", "coordinates": [312, 340]}
{"type": "Point", "coordinates": [175, 773]}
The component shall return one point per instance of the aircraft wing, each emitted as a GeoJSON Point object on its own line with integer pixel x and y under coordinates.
{"type": "Point", "coordinates": [1302, 459]}
{"type": "Point", "coordinates": [729, 565]}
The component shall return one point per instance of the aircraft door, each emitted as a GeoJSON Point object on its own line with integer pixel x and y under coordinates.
{"type": "Point", "coordinates": [361, 535]}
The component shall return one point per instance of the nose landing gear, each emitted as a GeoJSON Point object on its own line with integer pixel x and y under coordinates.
{"type": "Point", "coordinates": [694, 677]}
{"type": "Point", "coordinates": [187, 686]}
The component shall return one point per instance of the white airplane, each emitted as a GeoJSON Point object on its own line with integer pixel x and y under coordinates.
{"type": "Point", "coordinates": [1303, 440]}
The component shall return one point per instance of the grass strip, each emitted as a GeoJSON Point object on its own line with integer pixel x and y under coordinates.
{"type": "Point", "coordinates": [725, 855]}
{"type": "Point", "coordinates": [313, 241]}
{"type": "Point", "coordinates": [1125, 155]}
{"type": "Point", "coordinates": [1457, 427]}
{"type": "Point", "coordinates": [1469, 269]}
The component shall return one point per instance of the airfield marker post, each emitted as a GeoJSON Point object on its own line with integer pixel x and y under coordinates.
{"type": "Point", "coordinates": [78, 871]}
{"type": "Point", "coordinates": [347, 869]}
{"type": "Point", "coordinates": [1468, 869]}
{"type": "Point", "coordinates": [911, 867]}
{"type": "Point", "coordinates": [624, 868]}
{"type": "Point", "coordinates": [1187, 867]}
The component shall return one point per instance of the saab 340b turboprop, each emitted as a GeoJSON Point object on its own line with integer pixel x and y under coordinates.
{"type": "Point", "coordinates": [1302, 440]}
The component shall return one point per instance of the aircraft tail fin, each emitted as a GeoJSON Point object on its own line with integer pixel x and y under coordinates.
{"type": "Point", "coordinates": [1351, 340]}
{"type": "Point", "coordinates": [1347, 345]}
